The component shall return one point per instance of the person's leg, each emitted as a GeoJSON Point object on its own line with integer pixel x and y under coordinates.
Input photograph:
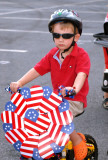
{"type": "Point", "coordinates": [105, 101]}
{"type": "Point", "coordinates": [105, 79]}
{"type": "Point", "coordinates": [78, 139]}
{"type": "Point", "coordinates": [76, 107]}
{"type": "Point", "coordinates": [79, 145]}
{"type": "Point", "coordinates": [105, 50]}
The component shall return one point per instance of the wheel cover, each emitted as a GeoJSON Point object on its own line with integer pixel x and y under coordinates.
{"type": "Point", "coordinates": [37, 122]}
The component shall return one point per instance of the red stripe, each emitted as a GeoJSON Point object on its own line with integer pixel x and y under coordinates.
{"type": "Point", "coordinates": [35, 125]}
{"type": "Point", "coordinates": [61, 139]}
{"type": "Point", "coordinates": [47, 151]}
{"type": "Point", "coordinates": [19, 107]}
{"type": "Point", "coordinates": [45, 106]}
{"type": "Point", "coordinates": [13, 121]}
{"type": "Point", "coordinates": [2, 118]}
{"type": "Point", "coordinates": [19, 122]}
{"type": "Point", "coordinates": [29, 127]}
{"type": "Point", "coordinates": [17, 98]}
{"type": "Point", "coordinates": [41, 126]}
{"type": "Point", "coordinates": [26, 151]}
{"type": "Point", "coordinates": [36, 92]}
{"type": "Point", "coordinates": [7, 116]}
{"type": "Point", "coordinates": [10, 136]}
{"type": "Point", "coordinates": [34, 140]}
{"type": "Point", "coordinates": [36, 86]}
{"type": "Point", "coordinates": [32, 99]}
{"type": "Point", "coordinates": [46, 143]}
{"type": "Point", "coordinates": [58, 115]}
{"type": "Point", "coordinates": [52, 129]}
{"type": "Point", "coordinates": [47, 122]}
{"type": "Point", "coordinates": [65, 118]}
{"type": "Point", "coordinates": [53, 117]}
{"type": "Point", "coordinates": [18, 135]}
{"type": "Point", "coordinates": [57, 132]}
{"type": "Point", "coordinates": [20, 104]}
{"type": "Point", "coordinates": [50, 103]}
{"type": "Point", "coordinates": [13, 96]}
{"type": "Point", "coordinates": [29, 145]}
{"type": "Point", "coordinates": [23, 132]}
{"type": "Point", "coordinates": [57, 99]}
{"type": "Point", "coordinates": [33, 105]}
{"type": "Point", "coordinates": [31, 102]}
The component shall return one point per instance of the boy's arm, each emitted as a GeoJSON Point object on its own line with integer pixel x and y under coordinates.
{"type": "Point", "coordinates": [28, 77]}
{"type": "Point", "coordinates": [79, 81]}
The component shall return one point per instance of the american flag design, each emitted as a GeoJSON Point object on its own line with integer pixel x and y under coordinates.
{"type": "Point", "coordinates": [37, 122]}
{"type": "Point", "coordinates": [33, 96]}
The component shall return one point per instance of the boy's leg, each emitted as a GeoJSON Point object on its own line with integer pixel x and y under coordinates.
{"type": "Point", "coordinates": [76, 107]}
{"type": "Point", "coordinates": [78, 139]}
{"type": "Point", "coordinates": [79, 145]}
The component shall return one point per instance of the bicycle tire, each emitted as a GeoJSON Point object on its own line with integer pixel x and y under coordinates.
{"type": "Point", "coordinates": [93, 155]}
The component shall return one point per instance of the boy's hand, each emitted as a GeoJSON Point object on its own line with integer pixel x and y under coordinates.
{"type": "Point", "coordinates": [67, 91]}
{"type": "Point", "coordinates": [63, 90]}
{"type": "Point", "coordinates": [14, 86]}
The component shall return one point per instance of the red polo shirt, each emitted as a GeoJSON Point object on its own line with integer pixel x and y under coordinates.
{"type": "Point", "coordinates": [65, 73]}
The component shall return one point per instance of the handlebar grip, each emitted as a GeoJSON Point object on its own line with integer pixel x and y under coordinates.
{"type": "Point", "coordinates": [9, 90]}
{"type": "Point", "coordinates": [69, 93]}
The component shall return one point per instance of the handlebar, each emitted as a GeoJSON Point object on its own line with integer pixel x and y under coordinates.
{"type": "Point", "coordinates": [69, 93]}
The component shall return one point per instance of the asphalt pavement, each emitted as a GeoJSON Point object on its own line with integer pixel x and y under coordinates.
{"type": "Point", "coordinates": [24, 40]}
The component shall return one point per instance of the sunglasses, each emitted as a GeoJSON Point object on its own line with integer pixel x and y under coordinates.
{"type": "Point", "coordinates": [65, 35]}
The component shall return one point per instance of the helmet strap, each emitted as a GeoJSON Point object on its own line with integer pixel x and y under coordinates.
{"type": "Point", "coordinates": [72, 44]}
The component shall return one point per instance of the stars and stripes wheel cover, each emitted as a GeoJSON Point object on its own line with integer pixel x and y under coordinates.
{"type": "Point", "coordinates": [37, 122]}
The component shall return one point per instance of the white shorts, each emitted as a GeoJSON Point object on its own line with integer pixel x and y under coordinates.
{"type": "Point", "coordinates": [75, 107]}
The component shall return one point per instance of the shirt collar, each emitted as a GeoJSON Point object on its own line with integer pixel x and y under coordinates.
{"type": "Point", "coordinates": [73, 53]}
{"type": "Point", "coordinates": [56, 57]}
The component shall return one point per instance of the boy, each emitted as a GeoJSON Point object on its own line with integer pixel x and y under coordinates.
{"type": "Point", "coordinates": [69, 66]}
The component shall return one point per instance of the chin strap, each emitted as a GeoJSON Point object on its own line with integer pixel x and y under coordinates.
{"type": "Point", "coordinates": [72, 44]}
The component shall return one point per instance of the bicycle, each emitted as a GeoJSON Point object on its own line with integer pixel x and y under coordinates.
{"type": "Point", "coordinates": [25, 103]}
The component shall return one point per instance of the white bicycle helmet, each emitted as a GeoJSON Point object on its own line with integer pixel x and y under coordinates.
{"type": "Point", "coordinates": [66, 16]}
